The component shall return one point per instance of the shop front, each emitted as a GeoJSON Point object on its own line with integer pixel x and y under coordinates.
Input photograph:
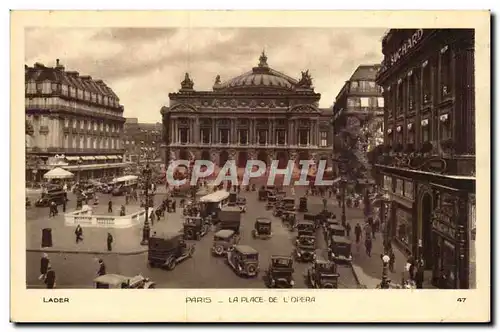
{"type": "Point", "coordinates": [450, 266]}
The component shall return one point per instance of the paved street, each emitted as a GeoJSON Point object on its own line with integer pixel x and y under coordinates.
{"type": "Point", "coordinates": [201, 271]}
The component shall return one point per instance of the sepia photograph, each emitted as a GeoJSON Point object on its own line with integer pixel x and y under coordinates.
{"type": "Point", "coordinates": [251, 158]}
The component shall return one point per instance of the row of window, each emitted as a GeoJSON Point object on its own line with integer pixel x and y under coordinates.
{"type": "Point", "coordinates": [243, 136]}
{"type": "Point", "coordinates": [429, 129]}
{"type": "Point", "coordinates": [417, 85]}
{"type": "Point", "coordinates": [364, 86]}
{"type": "Point", "coordinates": [365, 102]}
{"type": "Point", "coordinates": [88, 124]}
{"type": "Point", "coordinates": [91, 142]}
{"type": "Point", "coordinates": [48, 88]}
{"type": "Point", "coordinates": [139, 142]}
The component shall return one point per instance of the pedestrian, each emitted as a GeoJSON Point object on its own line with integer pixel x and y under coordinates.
{"type": "Point", "coordinates": [348, 228]}
{"type": "Point", "coordinates": [368, 246]}
{"type": "Point", "coordinates": [44, 264]}
{"type": "Point", "coordinates": [338, 200]}
{"type": "Point", "coordinates": [64, 204]}
{"type": "Point", "coordinates": [50, 278]}
{"type": "Point", "coordinates": [122, 210]}
{"type": "Point", "coordinates": [101, 272]}
{"type": "Point", "coordinates": [110, 206]}
{"type": "Point", "coordinates": [110, 241]}
{"type": "Point", "coordinates": [126, 198]}
{"type": "Point", "coordinates": [419, 274]}
{"type": "Point", "coordinates": [325, 201]}
{"type": "Point", "coordinates": [357, 232]}
{"type": "Point", "coordinates": [79, 233]}
{"type": "Point", "coordinates": [410, 263]}
{"type": "Point", "coordinates": [173, 205]}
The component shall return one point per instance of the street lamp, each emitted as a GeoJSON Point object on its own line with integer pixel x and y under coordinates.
{"type": "Point", "coordinates": [79, 162]}
{"type": "Point", "coordinates": [384, 201]}
{"type": "Point", "coordinates": [146, 229]}
{"type": "Point", "coordinates": [384, 284]}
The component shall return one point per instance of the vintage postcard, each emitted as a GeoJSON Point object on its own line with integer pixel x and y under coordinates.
{"type": "Point", "coordinates": [250, 166]}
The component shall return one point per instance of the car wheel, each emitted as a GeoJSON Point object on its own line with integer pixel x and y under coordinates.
{"type": "Point", "coordinates": [251, 269]}
{"type": "Point", "coordinates": [171, 264]}
{"type": "Point", "coordinates": [219, 250]}
{"type": "Point", "coordinates": [328, 285]}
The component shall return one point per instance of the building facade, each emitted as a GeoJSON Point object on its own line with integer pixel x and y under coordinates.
{"type": "Point", "coordinates": [75, 122]}
{"type": "Point", "coordinates": [262, 114]}
{"type": "Point", "coordinates": [428, 164]}
{"type": "Point", "coordinates": [358, 118]}
{"type": "Point", "coordinates": [142, 141]}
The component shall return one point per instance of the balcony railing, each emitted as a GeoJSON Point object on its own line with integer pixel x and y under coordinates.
{"type": "Point", "coordinates": [58, 150]}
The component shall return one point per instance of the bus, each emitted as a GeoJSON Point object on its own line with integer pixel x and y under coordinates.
{"type": "Point", "coordinates": [213, 202]}
{"type": "Point", "coordinates": [123, 184]}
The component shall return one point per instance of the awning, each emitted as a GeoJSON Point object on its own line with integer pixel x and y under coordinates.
{"type": "Point", "coordinates": [71, 158]}
{"type": "Point", "coordinates": [110, 157]}
{"type": "Point", "coordinates": [119, 157]}
{"type": "Point", "coordinates": [100, 157]}
{"type": "Point", "coordinates": [58, 173]}
{"type": "Point", "coordinates": [88, 158]}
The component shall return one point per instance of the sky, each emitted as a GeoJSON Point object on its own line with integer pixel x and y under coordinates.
{"type": "Point", "coordinates": [144, 65]}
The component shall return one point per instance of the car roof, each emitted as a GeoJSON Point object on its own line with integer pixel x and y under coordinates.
{"type": "Point", "coordinates": [306, 222]}
{"type": "Point", "coordinates": [341, 239]}
{"type": "Point", "coordinates": [231, 208]}
{"type": "Point", "coordinates": [112, 279]}
{"type": "Point", "coordinates": [224, 233]}
{"type": "Point", "coordinates": [307, 236]}
{"type": "Point", "coordinates": [167, 235]}
{"type": "Point", "coordinates": [336, 226]}
{"type": "Point", "coordinates": [280, 257]}
{"type": "Point", "coordinates": [245, 249]}
{"type": "Point", "coordinates": [322, 260]}
{"type": "Point", "coordinates": [289, 199]}
{"type": "Point", "coordinates": [263, 220]}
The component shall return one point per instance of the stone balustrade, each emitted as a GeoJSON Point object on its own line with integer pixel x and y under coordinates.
{"type": "Point", "coordinates": [85, 218]}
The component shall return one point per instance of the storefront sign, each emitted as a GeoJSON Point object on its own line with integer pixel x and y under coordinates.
{"type": "Point", "coordinates": [444, 229]}
{"type": "Point", "coordinates": [407, 45]}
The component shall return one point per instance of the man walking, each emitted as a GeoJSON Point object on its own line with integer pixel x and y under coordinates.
{"type": "Point", "coordinates": [110, 207]}
{"type": "Point", "coordinates": [110, 241]}
{"type": "Point", "coordinates": [44, 265]}
{"type": "Point", "coordinates": [368, 246]}
{"type": "Point", "coordinates": [79, 233]}
{"type": "Point", "coordinates": [50, 278]}
{"type": "Point", "coordinates": [357, 232]}
{"type": "Point", "coordinates": [101, 272]}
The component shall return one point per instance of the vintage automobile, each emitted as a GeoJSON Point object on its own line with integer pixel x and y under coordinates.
{"type": "Point", "coordinates": [271, 202]}
{"type": "Point", "coordinates": [322, 273]}
{"type": "Point", "coordinates": [334, 230]}
{"type": "Point", "coordinates": [288, 203]}
{"type": "Point", "coordinates": [303, 204]}
{"type": "Point", "coordinates": [278, 210]}
{"type": "Point", "coordinates": [280, 272]}
{"type": "Point", "coordinates": [166, 250]}
{"type": "Point", "coordinates": [305, 228]}
{"type": "Point", "coordinates": [290, 218]}
{"type": "Point", "coordinates": [262, 228]}
{"type": "Point", "coordinates": [340, 249]}
{"type": "Point", "coordinates": [304, 248]}
{"type": "Point", "coordinates": [262, 194]}
{"type": "Point", "coordinates": [242, 203]}
{"type": "Point", "coordinates": [244, 260]}
{"type": "Point", "coordinates": [195, 228]}
{"type": "Point", "coordinates": [223, 241]}
{"type": "Point", "coordinates": [119, 281]}
{"type": "Point", "coordinates": [56, 196]}
{"type": "Point", "coordinates": [229, 217]}
{"type": "Point", "coordinates": [280, 193]}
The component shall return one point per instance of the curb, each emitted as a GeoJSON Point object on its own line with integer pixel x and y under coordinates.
{"type": "Point", "coordinates": [356, 277]}
{"type": "Point", "coordinates": [88, 252]}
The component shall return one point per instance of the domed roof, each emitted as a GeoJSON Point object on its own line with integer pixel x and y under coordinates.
{"type": "Point", "coordinates": [261, 77]}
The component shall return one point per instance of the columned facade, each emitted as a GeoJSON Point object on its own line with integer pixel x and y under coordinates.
{"type": "Point", "coordinates": [263, 114]}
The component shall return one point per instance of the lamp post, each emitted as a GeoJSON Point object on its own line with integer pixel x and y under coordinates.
{"type": "Point", "coordinates": [79, 162]}
{"type": "Point", "coordinates": [384, 284]}
{"type": "Point", "coordinates": [146, 229]}
{"type": "Point", "coordinates": [384, 200]}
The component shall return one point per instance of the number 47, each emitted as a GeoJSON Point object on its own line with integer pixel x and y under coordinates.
{"type": "Point", "coordinates": [461, 299]}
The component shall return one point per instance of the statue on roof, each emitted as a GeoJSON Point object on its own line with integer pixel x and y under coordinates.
{"type": "Point", "coordinates": [306, 80]}
{"type": "Point", "coordinates": [217, 80]}
{"type": "Point", "coordinates": [188, 83]}
{"type": "Point", "coordinates": [263, 60]}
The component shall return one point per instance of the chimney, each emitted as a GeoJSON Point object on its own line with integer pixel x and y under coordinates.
{"type": "Point", "coordinates": [38, 65]}
{"type": "Point", "coordinates": [59, 65]}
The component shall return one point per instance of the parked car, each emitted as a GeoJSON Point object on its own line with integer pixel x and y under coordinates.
{"type": "Point", "coordinates": [322, 273]}
{"type": "Point", "coordinates": [280, 272]}
{"type": "Point", "coordinates": [223, 241]}
{"type": "Point", "coordinates": [195, 228]}
{"type": "Point", "coordinates": [262, 228]}
{"type": "Point", "coordinates": [305, 228]}
{"type": "Point", "coordinates": [244, 260]}
{"type": "Point", "coordinates": [119, 281]}
{"type": "Point", "coordinates": [166, 250]}
{"type": "Point", "coordinates": [303, 204]}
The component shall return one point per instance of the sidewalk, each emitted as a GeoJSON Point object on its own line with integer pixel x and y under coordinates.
{"type": "Point", "coordinates": [125, 240]}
